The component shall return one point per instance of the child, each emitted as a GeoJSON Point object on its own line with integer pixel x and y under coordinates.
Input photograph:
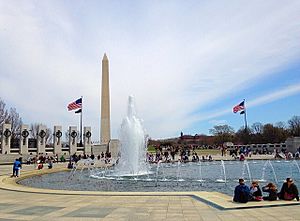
{"type": "Point", "coordinates": [255, 191]}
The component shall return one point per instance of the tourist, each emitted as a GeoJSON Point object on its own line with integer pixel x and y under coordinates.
{"type": "Point", "coordinates": [50, 163]}
{"type": "Point", "coordinates": [28, 161]}
{"type": "Point", "coordinates": [255, 191]}
{"type": "Point", "coordinates": [70, 164]}
{"type": "Point", "coordinates": [16, 168]}
{"type": "Point", "coordinates": [40, 165]}
{"type": "Point", "coordinates": [62, 159]}
{"type": "Point", "coordinates": [195, 157]}
{"type": "Point", "coordinates": [289, 190]}
{"type": "Point", "coordinates": [241, 192]}
{"type": "Point", "coordinates": [272, 190]}
{"type": "Point", "coordinates": [242, 157]}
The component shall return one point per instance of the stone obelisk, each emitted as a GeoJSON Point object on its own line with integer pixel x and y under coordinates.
{"type": "Point", "coordinates": [105, 103]}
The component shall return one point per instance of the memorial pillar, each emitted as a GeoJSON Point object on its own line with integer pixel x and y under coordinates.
{"type": "Point", "coordinates": [57, 136]}
{"type": "Point", "coordinates": [41, 141]}
{"type": "Point", "coordinates": [5, 138]}
{"type": "Point", "coordinates": [24, 139]}
{"type": "Point", "coordinates": [73, 135]}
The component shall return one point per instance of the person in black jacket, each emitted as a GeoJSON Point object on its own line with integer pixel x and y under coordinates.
{"type": "Point", "coordinates": [272, 190]}
{"type": "Point", "coordinates": [289, 190]}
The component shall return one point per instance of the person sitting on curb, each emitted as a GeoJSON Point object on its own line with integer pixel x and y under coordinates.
{"type": "Point", "coordinates": [272, 190]}
{"type": "Point", "coordinates": [289, 190]}
{"type": "Point", "coordinates": [255, 191]}
{"type": "Point", "coordinates": [241, 192]}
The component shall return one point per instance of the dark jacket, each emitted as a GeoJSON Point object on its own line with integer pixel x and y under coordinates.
{"type": "Point", "coordinates": [290, 190]}
{"type": "Point", "coordinates": [257, 192]}
{"type": "Point", "coordinates": [241, 193]}
{"type": "Point", "coordinates": [272, 193]}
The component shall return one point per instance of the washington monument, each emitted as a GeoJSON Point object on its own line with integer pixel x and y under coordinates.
{"type": "Point", "coordinates": [105, 103]}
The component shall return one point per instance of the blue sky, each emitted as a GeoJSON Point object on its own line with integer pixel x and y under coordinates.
{"type": "Point", "coordinates": [186, 62]}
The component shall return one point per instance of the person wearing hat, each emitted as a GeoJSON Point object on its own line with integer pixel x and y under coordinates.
{"type": "Point", "coordinates": [241, 192]}
{"type": "Point", "coordinates": [289, 190]}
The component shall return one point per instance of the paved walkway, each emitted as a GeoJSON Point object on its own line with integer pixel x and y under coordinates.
{"type": "Point", "coordinates": [24, 203]}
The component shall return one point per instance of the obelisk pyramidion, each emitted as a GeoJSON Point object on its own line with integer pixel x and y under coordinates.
{"type": "Point", "coordinates": [105, 103]}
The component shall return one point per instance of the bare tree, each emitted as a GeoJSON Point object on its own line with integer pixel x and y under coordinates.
{"type": "Point", "coordinates": [222, 133]}
{"type": "Point", "coordinates": [294, 126]}
{"type": "Point", "coordinates": [34, 132]}
{"type": "Point", "coordinates": [3, 112]}
{"type": "Point", "coordinates": [16, 121]}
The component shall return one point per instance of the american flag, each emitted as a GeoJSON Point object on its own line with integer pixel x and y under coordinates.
{"type": "Point", "coordinates": [75, 105]}
{"type": "Point", "coordinates": [239, 107]}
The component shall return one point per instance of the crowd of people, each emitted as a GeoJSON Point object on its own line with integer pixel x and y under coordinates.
{"type": "Point", "coordinates": [243, 193]}
{"type": "Point", "coordinates": [168, 156]}
{"type": "Point", "coordinates": [105, 157]}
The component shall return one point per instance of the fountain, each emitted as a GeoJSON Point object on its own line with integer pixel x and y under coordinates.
{"type": "Point", "coordinates": [246, 166]}
{"type": "Point", "coordinates": [133, 145]}
{"type": "Point", "coordinates": [200, 173]}
{"type": "Point", "coordinates": [223, 173]}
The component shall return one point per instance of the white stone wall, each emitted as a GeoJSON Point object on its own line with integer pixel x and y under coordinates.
{"type": "Point", "coordinates": [24, 139]}
{"type": "Point", "coordinates": [5, 138]}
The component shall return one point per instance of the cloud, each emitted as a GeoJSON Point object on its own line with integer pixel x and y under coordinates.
{"type": "Point", "coordinates": [282, 93]}
{"type": "Point", "coordinates": [217, 122]}
{"type": "Point", "coordinates": [265, 99]}
{"type": "Point", "coordinates": [50, 54]}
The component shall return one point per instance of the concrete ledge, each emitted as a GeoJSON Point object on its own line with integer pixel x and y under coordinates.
{"type": "Point", "coordinates": [217, 200]}
{"type": "Point", "coordinates": [224, 202]}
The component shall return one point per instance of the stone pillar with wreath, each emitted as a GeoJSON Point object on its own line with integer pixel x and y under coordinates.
{"type": "Point", "coordinates": [57, 139]}
{"type": "Point", "coordinates": [73, 136]}
{"type": "Point", "coordinates": [41, 139]}
{"type": "Point", "coordinates": [5, 138]}
{"type": "Point", "coordinates": [87, 143]}
{"type": "Point", "coordinates": [24, 139]}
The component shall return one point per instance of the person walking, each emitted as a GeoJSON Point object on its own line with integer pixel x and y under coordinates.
{"type": "Point", "coordinates": [16, 167]}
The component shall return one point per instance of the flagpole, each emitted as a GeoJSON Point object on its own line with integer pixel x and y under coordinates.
{"type": "Point", "coordinates": [81, 121]}
{"type": "Point", "coordinates": [245, 116]}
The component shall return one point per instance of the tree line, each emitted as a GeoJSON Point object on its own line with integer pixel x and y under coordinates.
{"type": "Point", "coordinates": [11, 116]}
{"type": "Point", "coordinates": [258, 132]}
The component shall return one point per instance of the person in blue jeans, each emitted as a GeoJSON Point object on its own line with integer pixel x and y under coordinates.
{"type": "Point", "coordinates": [241, 192]}
{"type": "Point", "coordinates": [16, 168]}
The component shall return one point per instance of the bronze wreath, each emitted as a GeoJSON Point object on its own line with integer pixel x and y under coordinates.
{"type": "Point", "coordinates": [42, 134]}
{"type": "Point", "coordinates": [88, 134]}
{"type": "Point", "coordinates": [58, 134]}
{"type": "Point", "coordinates": [25, 133]}
{"type": "Point", "coordinates": [74, 134]}
{"type": "Point", "coordinates": [7, 133]}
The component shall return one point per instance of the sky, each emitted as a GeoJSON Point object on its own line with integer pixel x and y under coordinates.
{"type": "Point", "coordinates": [187, 63]}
